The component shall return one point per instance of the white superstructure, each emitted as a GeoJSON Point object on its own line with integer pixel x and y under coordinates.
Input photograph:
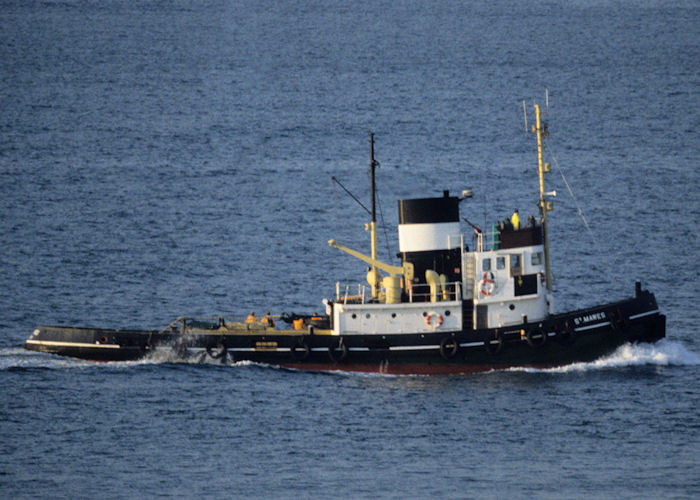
{"type": "Point", "coordinates": [441, 284]}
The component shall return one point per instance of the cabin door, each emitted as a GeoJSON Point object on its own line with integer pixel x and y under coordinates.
{"type": "Point", "coordinates": [482, 316]}
{"type": "Point", "coordinates": [467, 315]}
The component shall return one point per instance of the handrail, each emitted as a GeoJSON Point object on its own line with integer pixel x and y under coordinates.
{"type": "Point", "coordinates": [416, 293]}
{"type": "Point", "coordinates": [345, 297]}
{"type": "Point", "coordinates": [186, 322]}
{"type": "Point", "coordinates": [173, 323]}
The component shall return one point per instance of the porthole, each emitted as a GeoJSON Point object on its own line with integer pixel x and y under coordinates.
{"type": "Point", "coordinates": [367, 315]}
{"type": "Point", "coordinates": [511, 307]}
{"type": "Point", "coordinates": [393, 315]}
{"type": "Point", "coordinates": [354, 315]}
{"type": "Point", "coordinates": [447, 313]}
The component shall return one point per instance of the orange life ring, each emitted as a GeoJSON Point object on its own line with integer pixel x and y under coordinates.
{"type": "Point", "coordinates": [429, 320]}
{"type": "Point", "coordinates": [486, 287]}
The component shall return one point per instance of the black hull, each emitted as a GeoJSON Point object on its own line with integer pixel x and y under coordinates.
{"type": "Point", "coordinates": [578, 336]}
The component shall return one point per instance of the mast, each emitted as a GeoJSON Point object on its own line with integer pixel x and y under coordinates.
{"type": "Point", "coordinates": [544, 205]}
{"type": "Point", "coordinates": [373, 224]}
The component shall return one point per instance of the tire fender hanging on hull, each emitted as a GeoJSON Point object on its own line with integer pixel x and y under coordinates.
{"type": "Point", "coordinates": [566, 335]}
{"type": "Point", "coordinates": [300, 351]}
{"type": "Point", "coordinates": [449, 347]}
{"type": "Point", "coordinates": [536, 337]}
{"type": "Point", "coordinates": [338, 351]}
{"type": "Point", "coordinates": [494, 343]}
{"type": "Point", "coordinates": [217, 351]}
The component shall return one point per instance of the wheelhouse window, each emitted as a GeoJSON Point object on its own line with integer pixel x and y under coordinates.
{"type": "Point", "coordinates": [536, 259]}
{"type": "Point", "coordinates": [516, 267]}
{"type": "Point", "coordinates": [500, 263]}
{"type": "Point", "coordinates": [486, 265]}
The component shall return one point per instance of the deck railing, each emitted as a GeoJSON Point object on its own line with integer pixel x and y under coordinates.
{"type": "Point", "coordinates": [358, 293]}
{"type": "Point", "coordinates": [350, 294]}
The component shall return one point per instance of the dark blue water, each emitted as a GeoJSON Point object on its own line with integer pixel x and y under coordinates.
{"type": "Point", "coordinates": [174, 158]}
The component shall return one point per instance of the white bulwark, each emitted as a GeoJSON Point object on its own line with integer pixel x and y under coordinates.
{"type": "Point", "coordinates": [392, 319]}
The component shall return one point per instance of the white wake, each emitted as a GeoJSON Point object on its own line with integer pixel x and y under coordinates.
{"type": "Point", "coordinates": [663, 353]}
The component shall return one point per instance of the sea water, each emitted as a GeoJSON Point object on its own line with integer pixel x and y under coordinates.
{"type": "Point", "coordinates": [160, 159]}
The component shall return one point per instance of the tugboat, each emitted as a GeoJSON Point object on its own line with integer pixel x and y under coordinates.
{"type": "Point", "coordinates": [445, 310]}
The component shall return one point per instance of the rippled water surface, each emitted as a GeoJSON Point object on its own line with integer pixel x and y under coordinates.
{"type": "Point", "coordinates": [160, 159]}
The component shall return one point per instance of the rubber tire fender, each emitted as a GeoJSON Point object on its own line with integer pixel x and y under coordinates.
{"type": "Point", "coordinates": [566, 334]}
{"type": "Point", "coordinates": [536, 337]}
{"type": "Point", "coordinates": [338, 351]}
{"type": "Point", "coordinates": [617, 320]}
{"type": "Point", "coordinates": [494, 337]}
{"type": "Point", "coordinates": [180, 349]}
{"type": "Point", "coordinates": [216, 351]}
{"type": "Point", "coordinates": [449, 347]}
{"type": "Point", "coordinates": [300, 351]}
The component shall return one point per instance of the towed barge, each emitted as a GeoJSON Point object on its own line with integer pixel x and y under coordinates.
{"type": "Point", "coordinates": [444, 309]}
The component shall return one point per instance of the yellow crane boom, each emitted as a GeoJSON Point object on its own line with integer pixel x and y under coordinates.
{"type": "Point", "coordinates": [406, 270]}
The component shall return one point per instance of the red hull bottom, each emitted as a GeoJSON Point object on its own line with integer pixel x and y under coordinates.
{"type": "Point", "coordinates": [406, 368]}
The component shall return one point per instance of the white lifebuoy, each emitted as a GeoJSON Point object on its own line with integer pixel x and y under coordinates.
{"type": "Point", "coordinates": [486, 285]}
{"type": "Point", "coordinates": [429, 320]}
